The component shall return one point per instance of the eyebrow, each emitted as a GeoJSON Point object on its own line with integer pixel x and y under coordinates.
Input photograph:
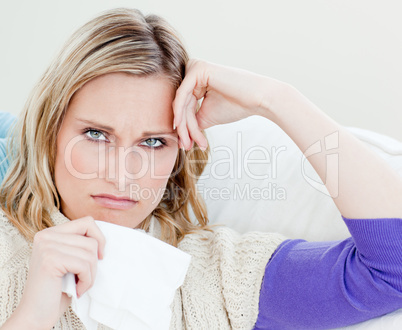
{"type": "Point", "coordinates": [111, 129]}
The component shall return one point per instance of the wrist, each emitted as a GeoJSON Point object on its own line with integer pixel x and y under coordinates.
{"type": "Point", "coordinates": [275, 97]}
{"type": "Point", "coordinates": [20, 320]}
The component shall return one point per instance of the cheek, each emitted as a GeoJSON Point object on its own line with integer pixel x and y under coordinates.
{"type": "Point", "coordinates": [163, 164]}
{"type": "Point", "coordinates": [151, 166]}
{"type": "Point", "coordinates": [84, 157]}
{"type": "Point", "coordinates": [154, 183]}
{"type": "Point", "coordinates": [77, 159]}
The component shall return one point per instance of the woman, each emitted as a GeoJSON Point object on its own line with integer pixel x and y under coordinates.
{"type": "Point", "coordinates": [83, 152]}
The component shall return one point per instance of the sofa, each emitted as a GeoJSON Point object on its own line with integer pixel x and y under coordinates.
{"type": "Point", "coordinates": [258, 179]}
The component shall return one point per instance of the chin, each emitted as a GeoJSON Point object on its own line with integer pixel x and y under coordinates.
{"type": "Point", "coordinates": [116, 217]}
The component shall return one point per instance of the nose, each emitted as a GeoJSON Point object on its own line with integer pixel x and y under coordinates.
{"type": "Point", "coordinates": [124, 166]}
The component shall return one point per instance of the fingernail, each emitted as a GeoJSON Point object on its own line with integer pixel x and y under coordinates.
{"type": "Point", "coordinates": [203, 148]}
{"type": "Point", "coordinates": [174, 125]}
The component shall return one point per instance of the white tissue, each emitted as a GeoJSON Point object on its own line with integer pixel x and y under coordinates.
{"type": "Point", "coordinates": [135, 282]}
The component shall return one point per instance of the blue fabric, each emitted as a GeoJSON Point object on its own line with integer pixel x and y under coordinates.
{"type": "Point", "coordinates": [324, 285]}
{"type": "Point", "coordinates": [6, 122]}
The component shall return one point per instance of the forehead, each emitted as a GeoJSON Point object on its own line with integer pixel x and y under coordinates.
{"type": "Point", "coordinates": [118, 97]}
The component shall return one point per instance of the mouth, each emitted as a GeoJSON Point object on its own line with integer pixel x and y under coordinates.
{"type": "Point", "coordinates": [114, 202]}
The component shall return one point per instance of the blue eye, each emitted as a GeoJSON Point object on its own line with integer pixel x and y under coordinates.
{"type": "Point", "coordinates": [95, 135]}
{"type": "Point", "coordinates": [154, 145]}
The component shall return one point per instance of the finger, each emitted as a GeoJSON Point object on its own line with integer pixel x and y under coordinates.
{"type": "Point", "coordinates": [54, 260]}
{"type": "Point", "coordinates": [66, 258]}
{"type": "Point", "coordinates": [195, 132]}
{"type": "Point", "coordinates": [86, 243]}
{"type": "Point", "coordinates": [182, 131]}
{"type": "Point", "coordinates": [86, 227]}
{"type": "Point", "coordinates": [195, 83]}
{"type": "Point", "coordinates": [82, 264]}
{"type": "Point", "coordinates": [181, 145]}
{"type": "Point", "coordinates": [84, 275]}
{"type": "Point", "coordinates": [203, 115]}
{"type": "Point", "coordinates": [182, 98]}
{"type": "Point", "coordinates": [184, 147]}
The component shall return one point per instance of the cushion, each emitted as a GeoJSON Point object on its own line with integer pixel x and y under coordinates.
{"type": "Point", "coordinates": [258, 179]}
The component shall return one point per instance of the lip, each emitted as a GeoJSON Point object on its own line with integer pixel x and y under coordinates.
{"type": "Point", "coordinates": [114, 202]}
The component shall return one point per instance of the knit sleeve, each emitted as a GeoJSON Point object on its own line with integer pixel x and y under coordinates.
{"type": "Point", "coordinates": [14, 250]}
{"type": "Point", "coordinates": [311, 285]}
{"type": "Point", "coordinates": [15, 253]}
{"type": "Point", "coordinates": [222, 286]}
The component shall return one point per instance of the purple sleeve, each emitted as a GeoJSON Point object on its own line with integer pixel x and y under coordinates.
{"type": "Point", "coordinates": [320, 285]}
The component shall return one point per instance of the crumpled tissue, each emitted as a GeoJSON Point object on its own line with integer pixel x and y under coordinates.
{"type": "Point", "coordinates": [135, 282]}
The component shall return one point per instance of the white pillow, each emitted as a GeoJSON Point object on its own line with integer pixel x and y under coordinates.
{"type": "Point", "coordinates": [284, 201]}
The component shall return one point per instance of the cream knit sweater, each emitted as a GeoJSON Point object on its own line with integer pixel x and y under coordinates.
{"type": "Point", "coordinates": [220, 291]}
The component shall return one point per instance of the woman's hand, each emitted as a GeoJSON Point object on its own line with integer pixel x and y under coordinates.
{"type": "Point", "coordinates": [229, 95]}
{"type": "Point", "coordinates": [371, 191]}
{"type": "Point", "coordinates": [71, 247]}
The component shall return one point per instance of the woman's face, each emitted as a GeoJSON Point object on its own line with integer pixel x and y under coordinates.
{"type": "Point", "coordinates": [116, 148]}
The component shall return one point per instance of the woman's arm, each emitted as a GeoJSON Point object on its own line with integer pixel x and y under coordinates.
{"type": "Point", "coordinates": [333, 284]}
{"type": "Point", "coordinates": [361, 184]}
{"type": "Point", "coordinates": [311, 284]}
{"type": "Point", "coordinates": [74, 246]}
{"type": "Point", "coordinates": [16, 322]}
{"type": "Point", "coordinates": [326, 285]}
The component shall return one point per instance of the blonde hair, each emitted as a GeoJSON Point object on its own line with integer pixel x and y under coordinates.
{"type": "Point", "coordinates": [118, 40]}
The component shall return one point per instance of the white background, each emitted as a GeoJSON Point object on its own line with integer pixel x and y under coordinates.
{"type": "Point", "coordinates": [344, 55]}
